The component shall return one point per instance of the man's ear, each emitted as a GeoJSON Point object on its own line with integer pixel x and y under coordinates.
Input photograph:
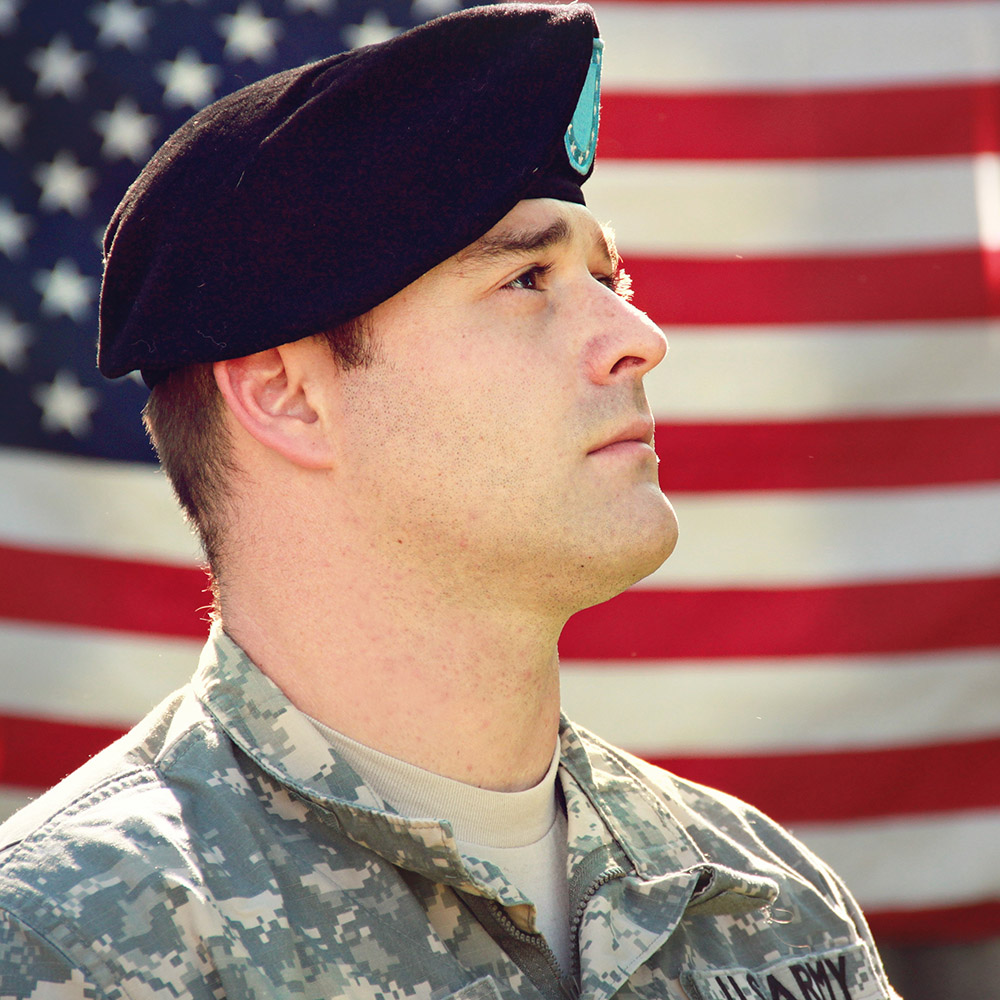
{"type": "Point", "coordinates": [274, 396]}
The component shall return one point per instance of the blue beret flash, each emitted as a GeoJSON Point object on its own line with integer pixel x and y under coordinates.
{"type": "Point", "coordinates": [581, 136]}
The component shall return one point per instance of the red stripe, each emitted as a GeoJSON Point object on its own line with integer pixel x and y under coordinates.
{"type": "Point", "coordinates": [794, 788]}
{"type": "Point", "coordinates": [806, 621]}
{"type": "Point", "coordinates": [947, 925]}
{"type": "Point", "coordinates": [945, 284]}
{"type": "Point", "coordinates": [944, 120]}
{"type": "Point", "coordinates": [124, 596]}
{"type": "Point", "coordinates": [101, 593]}
{"type": "Point", "coordinates": [829, 454]}
{"type": "Point", "coordinates": [827, 787]}
{"type": "Point", "coordinates": [36, 753]}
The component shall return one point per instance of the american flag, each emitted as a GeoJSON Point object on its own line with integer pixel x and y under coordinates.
{"type": "Point", "coordinates": [807, 195]}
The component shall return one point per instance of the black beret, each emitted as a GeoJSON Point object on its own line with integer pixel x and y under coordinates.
{"type": "Point", "coordinates": [306, 199]}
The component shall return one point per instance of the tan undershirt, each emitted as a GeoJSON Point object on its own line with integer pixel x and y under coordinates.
{"type": "Point", "coordinates": [522, 833]}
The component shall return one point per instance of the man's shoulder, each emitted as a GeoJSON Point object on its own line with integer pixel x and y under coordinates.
{"type": "Point", "coordinates": [117, 813]}
{"type": "Point", "coordinates": [176, 865]}
{"type": "Point", "coordinates": [139, 751]}
{"type": "Point", "coordinates": [118, 868]}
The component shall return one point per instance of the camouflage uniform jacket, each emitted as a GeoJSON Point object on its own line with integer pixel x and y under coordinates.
{"type": "Point", "coordinates": [221, 850]}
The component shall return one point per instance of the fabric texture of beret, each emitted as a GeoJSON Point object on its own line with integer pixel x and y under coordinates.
{"type": "Point", "coordinates": [306, 199]}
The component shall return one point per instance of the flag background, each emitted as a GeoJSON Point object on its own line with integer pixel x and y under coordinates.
{"type": "Point", "coordinates": [807, 195]}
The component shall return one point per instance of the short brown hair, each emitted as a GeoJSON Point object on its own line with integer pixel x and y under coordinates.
{"type": "Point", "coordinates": [184, 418]}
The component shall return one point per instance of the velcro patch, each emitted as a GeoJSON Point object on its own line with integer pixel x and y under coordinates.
{"type": "Point", "coordinates": [844, 974]}
{"type": "Point", "coordinates": [481, 989]}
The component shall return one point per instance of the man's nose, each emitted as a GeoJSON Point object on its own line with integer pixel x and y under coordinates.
{"type": "Point", "coordinates": [625, 343]}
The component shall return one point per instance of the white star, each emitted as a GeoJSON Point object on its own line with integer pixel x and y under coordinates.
{"type": "Point", "coordinates": [14, 229]}
{"type": "Point", "coordinates": [66, 405]}
{"type": "Point", "coordinates": [434, 8]}
{"type": "Point", "coordinates": [120, 22]}
{"type": "Point", "coordinates": [65, 291]}
{"type": "Point", "coordinates": [248, 34]}
{"type": "Point", "coordinates": [128, 133]}
{"type": "Point", "coordinates": [374, 28]}
{"type": "Point", "coordinates": [187, 80]}
{"type": "Point", "coordinates": [316, 6]}
{"type": "Point", "coordinates": [60, 68]}
{"type": "Point", "coordinates": [8, 15]}
{"type": "Point", "coordinates": [12, 119]}
{"type": "Point", "coordinates": [14, 340]}
{"type": "Point", "coordinates": [65, 184]}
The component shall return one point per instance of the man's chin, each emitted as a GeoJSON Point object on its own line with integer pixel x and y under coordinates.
{"type": "Point", "coordinates": [650, 541]}
{"type": "Point", "coordinates": [628, 566]}
{"type": "Point", "coordinates": [652, 560]}
{"type": "Point", "coordinates": [653, 544]}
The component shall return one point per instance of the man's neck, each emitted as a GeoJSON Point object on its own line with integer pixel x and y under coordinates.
{"type": "Point", "coordinates": [458, 688]}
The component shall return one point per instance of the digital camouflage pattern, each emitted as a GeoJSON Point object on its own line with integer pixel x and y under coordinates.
{"type": "Point", "coordinates": [221, 849]}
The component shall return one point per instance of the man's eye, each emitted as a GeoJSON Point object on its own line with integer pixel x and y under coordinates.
{"type": "Point", "coordinates": [529, 279]}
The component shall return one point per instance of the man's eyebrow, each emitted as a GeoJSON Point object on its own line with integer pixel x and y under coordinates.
{"type": "Point", "coordinates": [514, 243]}
{"type": "Point", "coordinates": [523, 242]}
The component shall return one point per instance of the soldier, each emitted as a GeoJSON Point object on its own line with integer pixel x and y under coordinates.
{"type": "Point", "coordinates": [397, 385]}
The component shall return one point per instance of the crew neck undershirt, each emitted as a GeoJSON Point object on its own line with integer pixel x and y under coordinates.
{"type": "Point", "coordinates": [522, 833]}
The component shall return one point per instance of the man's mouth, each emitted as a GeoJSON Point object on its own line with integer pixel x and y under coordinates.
{"type": "Point", "coordinates": [639, 432]}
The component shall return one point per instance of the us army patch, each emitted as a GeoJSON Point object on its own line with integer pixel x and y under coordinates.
{"type": "Point", "coordinates": [844, 974]}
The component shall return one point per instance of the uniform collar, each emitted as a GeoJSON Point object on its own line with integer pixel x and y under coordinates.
{"type": "Point", "coordinates": [623, 837]}
{"type": "Point", "coordinates": [602, 783]}
{"type": "Point", "coordinates": [284, 743]}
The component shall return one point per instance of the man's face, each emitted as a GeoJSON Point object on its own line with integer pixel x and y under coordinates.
{"type": "Point", "coordinates": [502, 437]}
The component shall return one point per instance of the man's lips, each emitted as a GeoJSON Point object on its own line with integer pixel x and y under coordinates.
{"type": "Point", "coordinates": [639, 432]}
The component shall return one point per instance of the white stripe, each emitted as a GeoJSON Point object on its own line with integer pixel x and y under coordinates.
{"type": "Point", "coordinates": [90, 505]}
{"type": "Point", "coordinates": [726, 539]}
{"type": "Point", "coordinates": [719, 46]}
{"type": "Point", "coordinates": [93, 677]}
{"type": "Point", "coordinates": [801, 372]}
{"type": "Point", "coordinates": [987, 178]}
{"type": "Point", "coordinates": [784, 706]}
{"type": "Point", "coordinates": [756, 706]}
{"type": "Point", "coordinates": [913, 862]}
{"type": "Point", "coordinates": [788, 208]}
{"type": "Point", "coordinates": [806, 538]}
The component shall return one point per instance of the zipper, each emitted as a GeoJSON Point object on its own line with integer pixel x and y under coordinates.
{"type": "Point", "coordinates": [529, 952]}
{"type": "Point", "coordinates": [536, 959]}
{"type": "Point", "coordinates": [574, 925]}
{"type": "Point", "coordinates": [539, 944]}
{"type": "Point", "coordinates": [608, 876]}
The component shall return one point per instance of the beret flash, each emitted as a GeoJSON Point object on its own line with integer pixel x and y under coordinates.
{"type": "Point", "coordinates": [306, 199]}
